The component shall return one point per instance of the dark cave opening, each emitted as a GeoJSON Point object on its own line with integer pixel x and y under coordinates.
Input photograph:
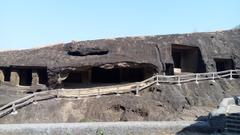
{"type": "Point", "coordinates": [187, 59]}
{"type": "Point", "coordinates": [73, 80]}
{"type": "Point", "coordinates": [31, 75]}
{"type": "Point", "coordinates": [43, 76]}
{"type": "Point", "coordinates": [74, 77]}
{"type": "Point", "coordinates": [98, 76]}
{"type": "Point", "coordinates": [132, 75]}
{"type": "Point", "coordinates": [177, 56]}
{"type": "Point", "coordinates": [224, 64]}
{"type": "Point", "coordinates": [117, 75]}
{"type": "Point", "coordinates": [77, 79]}
{"type": "Point", "coordinates": [25, 77]}
{"type": "Point", "coordinates": [7, 74]}
{"type": "Point", "coordinates": [169, 69]}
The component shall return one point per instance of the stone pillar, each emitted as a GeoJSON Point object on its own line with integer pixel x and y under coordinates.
{"type": "Point", "coordinates": [15, 79]}
{"type": "Point", "coordinates": [1, 76]}
{"type": "Point", "coordinates": [35, 77]}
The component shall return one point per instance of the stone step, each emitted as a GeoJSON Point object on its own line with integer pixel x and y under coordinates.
{"type": "Point", "coordinates": [232, 120]}
{"type": "Point", "coordinates": [234, 114]}
{"type": "Point", "coordinates": [233, 117]}
{"type": "Point", "coordinates": [232, 126]}
{"type": "Point", "coordinates": [232, 130]}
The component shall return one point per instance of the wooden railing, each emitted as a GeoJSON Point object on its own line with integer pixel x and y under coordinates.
{"type": "Point", "coordinates": [33, 98]}
{"type": "Point", "coordinates": [179, 79]}
{"type": "Point", "coordinates": [138, 86]}
{"type": "Point", "coordinates": [98, 91]}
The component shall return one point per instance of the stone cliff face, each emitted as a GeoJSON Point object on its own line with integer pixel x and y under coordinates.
{"type": "Point", "coordinates": [149, 51]}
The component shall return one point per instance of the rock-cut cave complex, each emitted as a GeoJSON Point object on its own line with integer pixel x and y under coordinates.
{"type": "Point", "coordinates": [120, 60]}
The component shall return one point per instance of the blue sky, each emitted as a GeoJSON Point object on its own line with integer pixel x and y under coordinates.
{"type": "Point", "coordinates": [32, 23]}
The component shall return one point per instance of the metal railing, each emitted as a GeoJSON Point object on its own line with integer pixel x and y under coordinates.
{"type": "Point", "coordinates": [98, 91]}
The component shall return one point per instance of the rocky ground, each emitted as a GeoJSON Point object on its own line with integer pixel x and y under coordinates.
{"type": "Point", "coordinates": [190, 101]}
{"type": "Point", "coordinates": [7, 95]}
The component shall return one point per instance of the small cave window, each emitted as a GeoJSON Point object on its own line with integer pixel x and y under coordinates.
{"type": "Point", "coordinates": [224, 64]}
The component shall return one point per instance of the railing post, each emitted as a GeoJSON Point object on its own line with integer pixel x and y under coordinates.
{"type": "Point", "coordinates": [14, 111]}
{"type": "Point", "coordinates": [196, 79]}
{"type": "Point", "coordinates": [231, 75]}
{"type": "Point", "coordinates": [79, 97]}
{"type": "Point", "coordinates": [213, 77]}
{"type": "Point", "coordinates": [99, 93]}
{"type": "Point", "coordinates": [57, 93]}
{"type": "Point", "coordinates": [179, 80]}
{"type": "Point", "coordinates": [118, 91]}
{"type": "Point", "coordinates": [34, 99]}
{"type": "Point", "coordinates": [157, 80]}
{"type": "Point", "coordinates": [137, 90]}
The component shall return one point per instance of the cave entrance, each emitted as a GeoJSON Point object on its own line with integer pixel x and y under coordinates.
{"type": "Point", "coordinates": [187, 59]}
{"type": "Point", "coordinates": [224, 64]}
{"type": "Point", "coordinates": [42, 75]}
{"type": "Point", "coordinates": [101, 75]}
{"type": "Point", "coordinates": [29, 76]}
{"type": "Point", "coordinates": [25, 77]}
{"type": "Point", "coordinates": [119, 75]}
{"type": "Point", "coordinates": [77, 79]}
{"type": "Point", "coordinates": [132, 74]}
{"type": "Point", "coordinates": [169, 69]}
{"type": "Point", "coordinates": [6, 73]}
{"type": "Point", "coordinates": [98, 76]}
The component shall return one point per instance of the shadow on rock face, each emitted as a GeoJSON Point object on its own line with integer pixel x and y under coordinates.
{"type": "Point", "coordinates": [81, 50]}
{"type": "Point", "coordinates": [199, 128]}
